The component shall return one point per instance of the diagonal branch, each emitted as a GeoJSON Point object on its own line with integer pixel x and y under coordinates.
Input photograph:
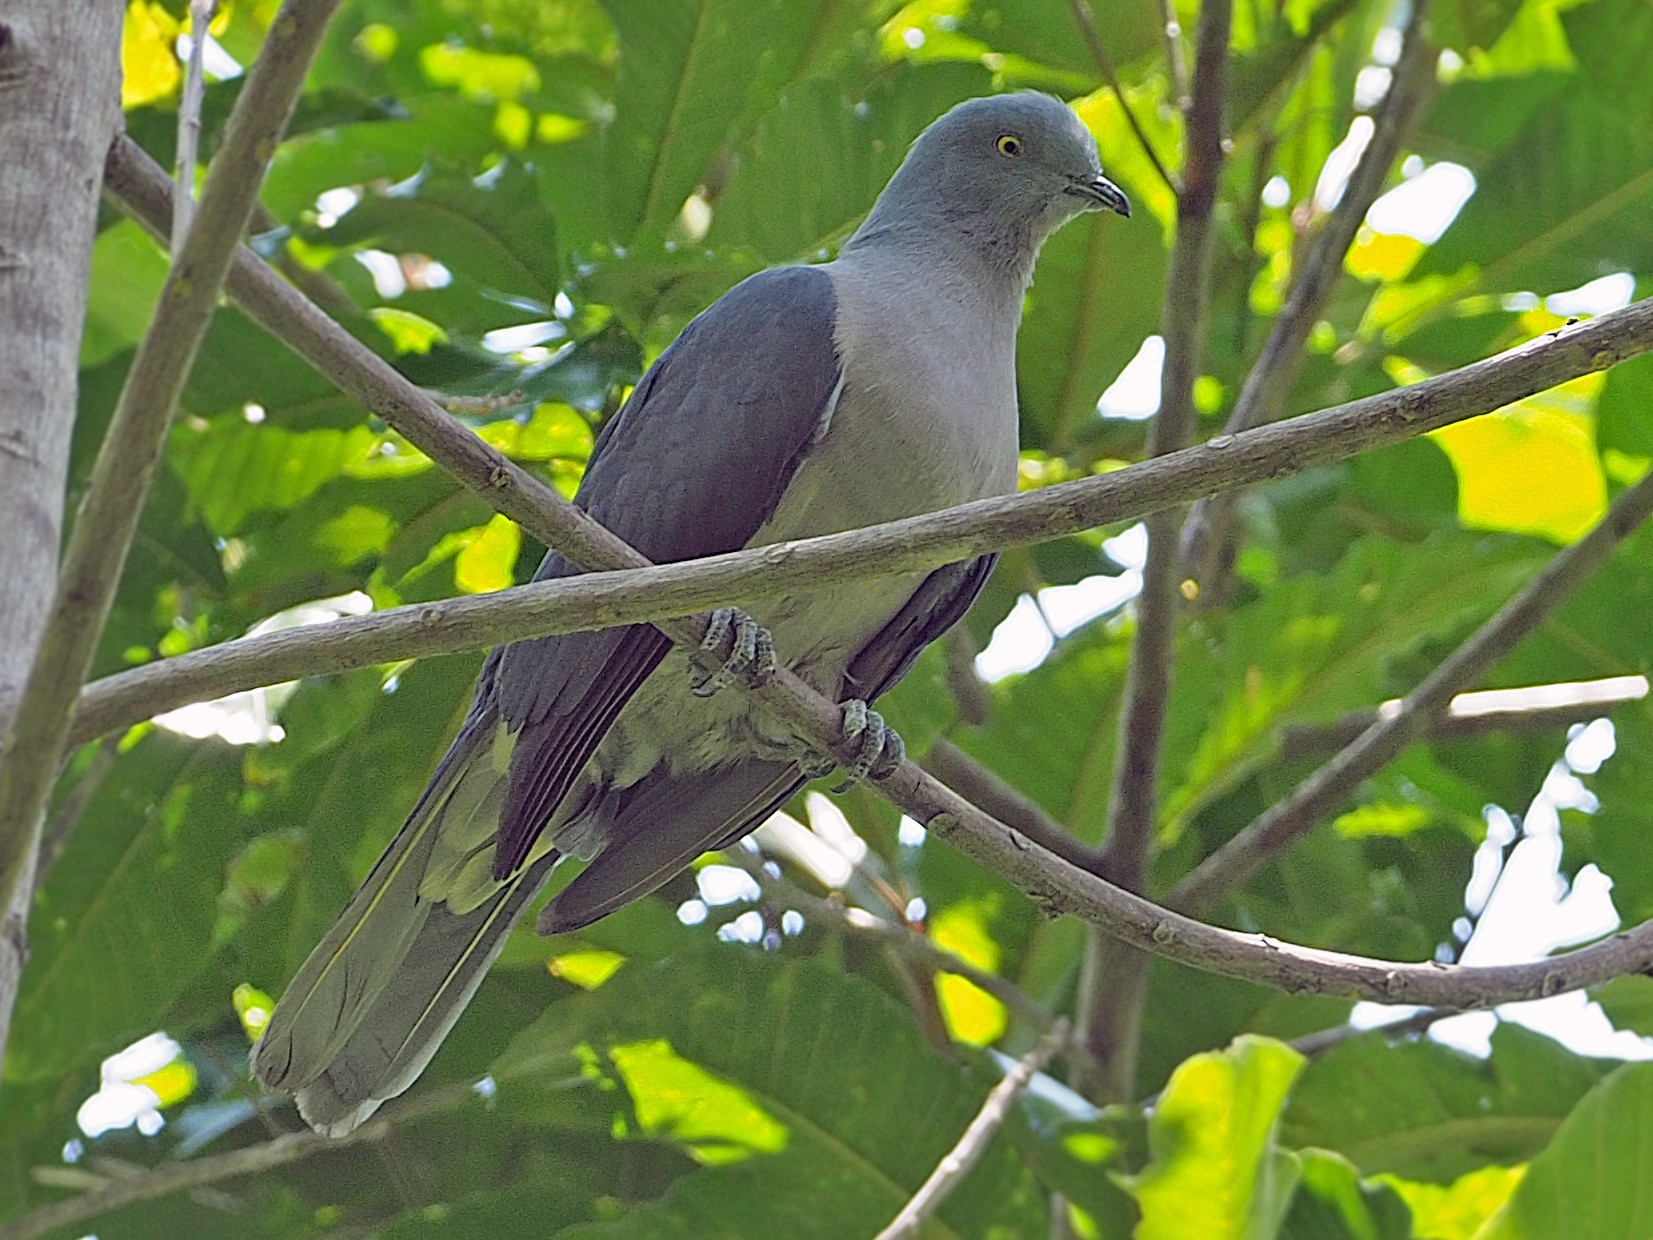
{"type": "Point", "coordinates": [1056, 885]}
{"type": "Point", "coordinates": [663, 591]}
{"type": "Point", "coordinates": [901, 940]}
{"type": "Point", "coordinates": [1535, 708]}
{"type": "Point", "coordinates": [660, 592]}
{"type": "Point", "coordinates": [1236, 861]}
{"type": "Point", "coordinates": [1104, 65]}
{"type": "Point", "coordinates": [1115, 978]}
{"type": "Point", "coordinates": [1206, 535]}
{"type": "Point", "coordinates": [131, 450]}
{"type": "Point", "coordinates": [958, 1161]}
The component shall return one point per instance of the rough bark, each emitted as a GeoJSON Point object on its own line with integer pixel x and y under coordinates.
{"type": "Point", "coordinates": [59, 108]}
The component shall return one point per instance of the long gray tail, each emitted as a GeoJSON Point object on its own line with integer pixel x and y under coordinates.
{"type": "Point", "coordinates": [371, 1004]}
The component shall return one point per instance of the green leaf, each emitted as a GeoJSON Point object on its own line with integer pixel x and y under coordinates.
{"type": "Point", "coordinates": [1628, 1002]}
{"type": "Point", "coordinates": [1333, 1203]}
{"type": "Point", "coordinates": [1215, 1171]}
{"type": "Point", "coordinates": [692, 72]}
{"type": "Point", "coordinates": [1457, 1211]}
{"type": "Point", "coordinates": [1547, 216]}
{"type": "Point", "coordinates": [1426, 1112]}
{"type": "Point", "coordinates": [493, 231]}
{"type": "Point", "coordinates": [1593, 1178]}
{"type": "Point", "coordinates": [856, 1106]}
{"type": "Point", "coordinates": [125, 918]}
{"type": "Point", "coordinates": [843, 147]}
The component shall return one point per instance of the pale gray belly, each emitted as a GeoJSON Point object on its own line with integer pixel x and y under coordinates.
{"type": "Point", "coordinates": [869, 467]}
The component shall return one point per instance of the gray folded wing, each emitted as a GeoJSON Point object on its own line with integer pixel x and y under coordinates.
{"type": "Point", "coordinates": [693, 465]}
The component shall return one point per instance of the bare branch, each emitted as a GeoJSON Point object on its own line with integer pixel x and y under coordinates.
{"type": "Point", "coordinates": [973, 781]}
{"type": "Point", "coordinates": [1057, 885]}
{"type": "Point", "coordinates": [952, 1169]}
{"type": "Point", "coordinates": [1209, 526]}
{"type": "Point", "coordinates": [1532, 709]}
{"type": "Point", "coordinates": [199, 1172]}
{"type": "Point", "coordinates": [1176, 60]}
{"type": "Point", "coordinates": [1323, 1040]}
{"type": "Point", "coordinates": [1236, 861]}
{"type": "Point", "coordinates": [905, 942]}
{"type": "Point", "coordinates": [1115, 978]}
{"type": "Point", "coordinates": [131, 450]}
{"type": "Point", "coordinates": [1104, 65]}
{"type": "Point", "coordinates": [189, 124]}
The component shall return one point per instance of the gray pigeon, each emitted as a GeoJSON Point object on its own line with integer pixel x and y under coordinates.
{"type": "Point", "coordinates": [806, 400]}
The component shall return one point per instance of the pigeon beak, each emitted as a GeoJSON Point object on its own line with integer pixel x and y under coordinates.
{"type": "Point", "coordinates": [1101, 194]}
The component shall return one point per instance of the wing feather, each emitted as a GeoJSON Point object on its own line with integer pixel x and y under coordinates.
{"type": "Point", "coordinates": [693, 465]}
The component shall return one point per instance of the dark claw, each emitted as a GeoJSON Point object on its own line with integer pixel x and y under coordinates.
{"type": "Point", "coordinates": [881, 748]}
{"type": "Point", "coordinates": [751, 659]}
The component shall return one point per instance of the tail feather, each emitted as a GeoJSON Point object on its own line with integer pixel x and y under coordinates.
{"type": "Point", "coordinates": [371, 1004]}
{"type": "Point", "coordinates": [396, 1038]}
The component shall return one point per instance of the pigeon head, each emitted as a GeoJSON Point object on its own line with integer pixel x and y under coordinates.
{"type": "Point", "coordinates": [1004, 171]}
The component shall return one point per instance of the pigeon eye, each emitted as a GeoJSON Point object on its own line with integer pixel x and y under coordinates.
{"type": "Point", "coordinates": [1009, 144]}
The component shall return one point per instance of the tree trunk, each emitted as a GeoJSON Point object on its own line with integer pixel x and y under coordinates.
{"type": "Point", "coordinates": [59, 109]}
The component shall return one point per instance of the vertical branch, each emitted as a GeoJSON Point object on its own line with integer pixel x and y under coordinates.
{"type": "Point", "coordinates": [1176, 62]}
{"type": "Point", "coordinates": [59, 110]}
{"type": "Point", "coordinates": [1322, 792]}
{"type": "Point", "coordinates": [108, 518]}
{"type": "Point", "coordinates": [189, 123]}
{"type": "Point", "coordinates": [1208, 533]}
{"type": "Point", "coordinates": [1115, 978]}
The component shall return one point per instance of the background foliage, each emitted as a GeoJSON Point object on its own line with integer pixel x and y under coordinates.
{"type": "Point", "coordinates": [591, 174]}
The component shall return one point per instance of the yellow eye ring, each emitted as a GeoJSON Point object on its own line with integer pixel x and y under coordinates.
{"type": "Point", "coordinates": [1009, 144]}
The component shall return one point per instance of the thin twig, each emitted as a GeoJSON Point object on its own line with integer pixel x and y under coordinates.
{"type": "Point", "coordinates": [1238, 860]}
{"type": "Point", "coordinates": [902, 940]}
{"type": "Point", "coordinates": [189, 123]}
{"type": "Point", "coordinates": [74, 805]}
{"type": "Point", "coordinates": [199, 1172]}
{"type": "Point", "coordinates": [975, 783]}
{"type": "Point", "coordinates": [958, 1161]}
{"type": "Point", "coordinates": [1209, 527]}
{"type": "Point", "coordinates": [131, 450]}
{"type": "Point", "coordinates": [1056, 885]}
{"type": "Point", "coordinates": [1115, 978]}
{"type": "Point", "coordinates": [1176, 60]}
{"type": "Point", "coordinates": [1104, 66]}
{"type": "Point", "coordinates": [1536, 708]}
{"type": "Point", "coordinates": [1421, 1021]}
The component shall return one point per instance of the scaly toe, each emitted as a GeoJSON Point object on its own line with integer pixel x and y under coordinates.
{"type": "Point", "coordinates": [866, 726]}
{"type": "Point", "coordinates": [750, 641]}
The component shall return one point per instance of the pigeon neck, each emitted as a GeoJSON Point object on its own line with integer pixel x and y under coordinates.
{"type": "Point", "coordinates": [996, 256]}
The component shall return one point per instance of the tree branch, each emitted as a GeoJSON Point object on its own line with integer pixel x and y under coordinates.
{"type": "Point", "coordinates": [1115, 978]}
{"type": "Point", "coordinates": [661, 592]}
{"type": "Point", "coordinates": [1057, 885]}
{"type": "Point", "coordinates": [199, 1172]}
{"type": "Point", "coordinates": [1104, 65]}
{"type": "Point", "coordinates": [1207, 534]}
{"type": "Point", "coordinates": [975, 783]}
{"type": "Point", "coordinates": [1236, 861]}
{"type": "Point", "coordinates": [958, 1161]}
{"type": "Point", "coordinates": [131, 450]}
{"type": "Point", "coordinates": [59, 108]}
{"type": "Point", "coordinates": [189, 124]}
{"type": "Point", "coordinates": [1533, 709]}
{"type": "Point", "coordinates": [902, 940]}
